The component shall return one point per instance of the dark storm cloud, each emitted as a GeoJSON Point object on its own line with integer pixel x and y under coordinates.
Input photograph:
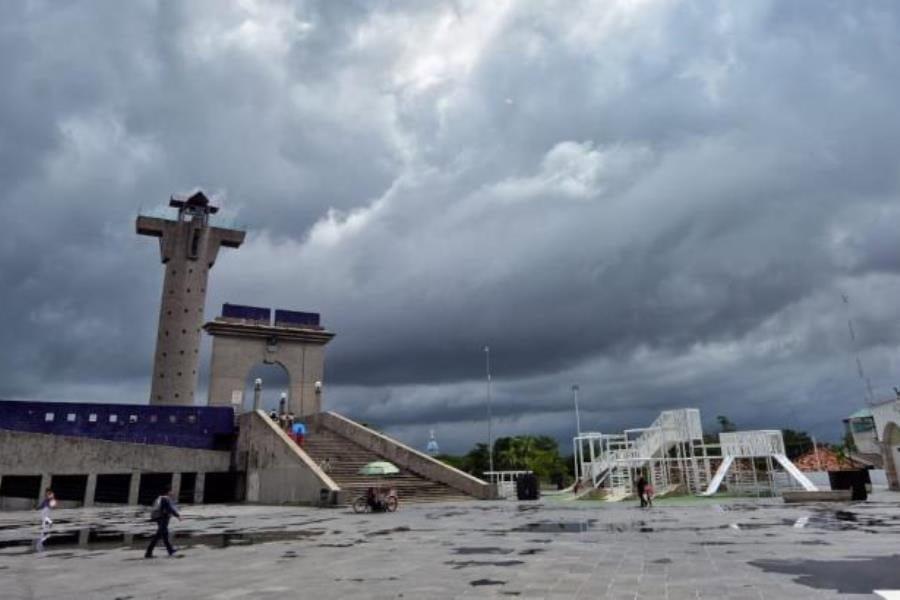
{"type": "Point", "coordinates": [663, 202]}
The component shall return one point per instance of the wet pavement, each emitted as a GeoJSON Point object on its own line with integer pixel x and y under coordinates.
{"type": "Point", "coordinates": [727, 549]}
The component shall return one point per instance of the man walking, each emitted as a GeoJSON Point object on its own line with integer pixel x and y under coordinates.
{"type": "Point", "coordinates": [163, 510]}
{"type": "Point", "coordinates": [641, 487]}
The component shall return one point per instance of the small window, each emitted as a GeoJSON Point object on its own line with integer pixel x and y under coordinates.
{"type": "Point", "coordinates": [92, 418]}
{"type": "Point", "coordinates": [49, 417]}
{"type": "Point", "coordinates": [173, 419]}
{"type": "Point", "coordinates": [70, 417]}
{"type": "Point", "coordinates": [113, 418]}
{"type": "Point", "coordinates": [132, 418]}
{"type": "Point", "coordinates": [153, 418]}
{"type": "Point", "coordinates": [192, 419]}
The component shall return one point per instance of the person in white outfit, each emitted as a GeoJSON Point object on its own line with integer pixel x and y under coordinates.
{"type": "Point", "coordinates": [47, 505]}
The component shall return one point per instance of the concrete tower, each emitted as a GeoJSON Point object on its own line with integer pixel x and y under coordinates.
{"type": "Point", "coordinates": [188, 249]}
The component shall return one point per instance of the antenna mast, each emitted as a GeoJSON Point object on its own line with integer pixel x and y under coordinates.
{"type": "Point", "coordinates": [869, 394]}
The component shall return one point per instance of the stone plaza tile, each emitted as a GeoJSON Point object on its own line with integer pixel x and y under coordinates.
{"type": "Point", "coordinates": [727, 549]}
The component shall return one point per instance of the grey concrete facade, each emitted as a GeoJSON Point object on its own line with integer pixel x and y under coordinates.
{"type": "Point", "coordinates": [277, 470]}
{"type": "Point", "coordinates": [239, 346]}
{"type": "Point", "coordinates": [188, 248]}
{"type": "Point", "coordinates": [36, 454]}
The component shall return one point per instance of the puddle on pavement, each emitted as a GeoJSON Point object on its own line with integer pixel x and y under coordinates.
{"type": "Point", "coordinates": [850, 576]}
{"type": "Point", "coordinates": [110, 539]}
{"type": "Point", "coordinates": [479, 582]}
{"type": "Point", "coordinates": [464, 564]}
{"type": "Point", "coordinates": [445, 515]}
{"type": "Point", "coordinates": [482, 550]}
{"type": "Point", "coordinates": [556, 527]}
{"type": "Point", "coordinates": [400, 529]}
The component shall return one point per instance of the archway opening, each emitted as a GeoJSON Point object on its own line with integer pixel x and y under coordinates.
{"type": "Point", "coordinates": [891, 441]}
{"type": "Point", "coordinates": [275, 381]}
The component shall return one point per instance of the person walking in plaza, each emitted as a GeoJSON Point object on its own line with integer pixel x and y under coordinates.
{"type": "Point", "coordinates": [641, 485]}
{"type": "Point", "coordinates": [46, 505]}
{"type": "Point", "coordinates": [163, 510]}
{"type": "Point", "coordinates": [648, 493]}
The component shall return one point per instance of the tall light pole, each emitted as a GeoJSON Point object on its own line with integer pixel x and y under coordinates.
{"type": "Point", "coordinates": [487, 368]}
{"type": "Point", "coordinates": [575, 389]}
{"type": "Point", "coordinates": [257, 391]}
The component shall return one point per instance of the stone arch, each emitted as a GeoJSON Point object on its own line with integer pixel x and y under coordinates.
{"type": "Point", "coordinates": [275, 378]}
{"type": "Point", "coordinates": [238, 346]}
{"type": "Point", "coordinates": [890, 450]}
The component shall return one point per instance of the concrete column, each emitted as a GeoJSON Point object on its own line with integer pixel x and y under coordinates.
{"type": "Point", "coordinates": [45, 483]}
{"type": "Point", "coordinates": [198, 488]}
{"type": "Point", "coordinates": [176, 485]}
{"type": "Point", "coordinates": [134, 487]}
{"type": "Point", "coordinates": [91, 489]}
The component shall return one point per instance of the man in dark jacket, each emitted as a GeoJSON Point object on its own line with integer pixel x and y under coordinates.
{"type": "Point", "coordinates": [641, 485]}
{"type": "Point", "coordinates": [163, 510]}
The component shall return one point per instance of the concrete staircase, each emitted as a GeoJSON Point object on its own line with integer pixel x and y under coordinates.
{"type": "Point", "coordinates": [344, 459]}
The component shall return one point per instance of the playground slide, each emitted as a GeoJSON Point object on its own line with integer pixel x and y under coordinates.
{"type": "Point", "coordinates": [720, 475]}
{"type": "Point", "coordinates": [795, 473]}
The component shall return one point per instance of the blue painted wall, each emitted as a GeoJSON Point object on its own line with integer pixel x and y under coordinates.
{"type": "Point", "coordinates": [205, 427]}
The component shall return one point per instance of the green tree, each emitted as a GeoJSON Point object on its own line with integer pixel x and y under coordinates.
{"type": "Point", "coordinates": [726, 424]}
{"type": "Point", "coordinates": [476, 461]}
{"type": "Point", "coordinates": [796, 443]}
{"type": "Point", "coordinates": [539, 454]}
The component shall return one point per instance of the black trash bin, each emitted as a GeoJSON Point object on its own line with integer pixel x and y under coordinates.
{"type": "Point", "coordinates": [855, 480]}
{"type": "Point", "coordinates": [527, 487]}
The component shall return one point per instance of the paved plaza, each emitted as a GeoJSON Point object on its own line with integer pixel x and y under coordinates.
{"type": "Point", "coordinates": [689, 548]}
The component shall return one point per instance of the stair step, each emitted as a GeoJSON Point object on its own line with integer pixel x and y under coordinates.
{"type": "Point", "coordinates": [345, 459]}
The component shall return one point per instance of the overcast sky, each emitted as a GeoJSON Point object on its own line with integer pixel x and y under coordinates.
{"type": "Point", "coordinates": [661, 201]}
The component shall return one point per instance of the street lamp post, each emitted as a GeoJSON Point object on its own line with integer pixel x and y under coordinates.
{"type": "Point", "coordinates": [257, 391]}
{"type": "Point", "coordinates": [487, 366]}
{"type": "Point", "coordinates": [575, 389]}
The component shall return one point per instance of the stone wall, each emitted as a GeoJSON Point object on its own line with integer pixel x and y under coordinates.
{"type": "Point", "coordinates": [277, 470]}
{"type": "Point", "coordinates": [30, 453]}
{"type": "Point", "coordinates": [44, 456]}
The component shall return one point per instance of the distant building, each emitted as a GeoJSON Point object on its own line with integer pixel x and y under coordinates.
{"type": "Point", "coordinates": [876, 434]}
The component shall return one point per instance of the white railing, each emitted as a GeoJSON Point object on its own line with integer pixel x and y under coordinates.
{"type": "Point", "coordinates": [751, 443]}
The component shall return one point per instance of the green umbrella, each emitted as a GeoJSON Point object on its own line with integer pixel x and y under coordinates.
{"type": "Point", "coordinates": [379, 467]}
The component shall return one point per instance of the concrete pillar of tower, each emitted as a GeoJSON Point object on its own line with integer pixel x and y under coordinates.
{"type": "Point", "coordinates": [91, 490]}
{"type": "Point", "coordinates": [188, 249]}
{"type": "Point", "coordinates": [134, 487]}
{"type": "Point", "coordinates": [45, 483]}
{"type": "Point", "coordinates": [199, 485]}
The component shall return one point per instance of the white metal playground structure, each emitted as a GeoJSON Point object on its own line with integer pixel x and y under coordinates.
{"type": "Point", "coordinates": [672, 456]}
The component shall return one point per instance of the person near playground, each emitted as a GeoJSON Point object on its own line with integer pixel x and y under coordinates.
{"type": "Point", "coordinates": [641, 485]}
{"type": "Point", "coordinates": [46, 505]}
{"type": "Point", "coordinates": [163, 510]}
{"type": "Point", "coordinates": [648, 492]}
